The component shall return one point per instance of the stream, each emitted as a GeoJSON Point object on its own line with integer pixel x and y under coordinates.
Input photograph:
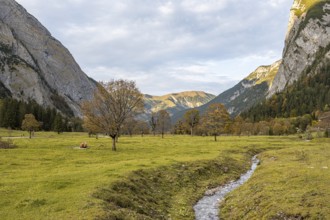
{"type": "Point", "coordinates": [207, 208]}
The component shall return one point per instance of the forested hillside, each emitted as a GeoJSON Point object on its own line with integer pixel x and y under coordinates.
{"type": "Point", "coordinates": [309, 94]}
{"type": "Point", "coordinates": [12, 113]}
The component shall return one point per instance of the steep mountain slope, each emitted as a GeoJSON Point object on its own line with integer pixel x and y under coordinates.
{"type": "Point", "coordinates": [302, 85]}
{"type": "Point", "coordinates": [246, 93]}
{"type": "Point", "coordinates": [34, 65]}
{"type": "Point", "coordinates": [310, 94]}
{"type": "Point", "coordinates": [307, 42]}
{"type": "Point", "coordinates": [249, 91]}
{"type": "Point", "coordinates": [176, 102]}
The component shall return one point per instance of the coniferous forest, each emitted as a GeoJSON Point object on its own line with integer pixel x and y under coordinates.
{"type": "Point", "coordinates": [309, 94]}
{"type": "Point", "coordinates": [12, 113]}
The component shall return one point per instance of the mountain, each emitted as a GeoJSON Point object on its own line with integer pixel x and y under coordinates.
{"type": "Point", "coordinates": [176, 102]}
{"type": "Point", "coordinates": [306, 54]}
{"type": "Point", "coordinates": [309, 95]}
{"type": "Point", "coordinates": [302, 84]}
{"type": "Point", "coordinates": [307, 42]}
{"type": "Point", "coordinates": [34, 65]}
{"type": "Point", "coordinates": [249, 91]}
{"type": "Point", "coordinates": [246, 93]}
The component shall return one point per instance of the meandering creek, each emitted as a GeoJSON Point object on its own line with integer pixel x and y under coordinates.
{"type": "Point", "coordinates": [208, 207]}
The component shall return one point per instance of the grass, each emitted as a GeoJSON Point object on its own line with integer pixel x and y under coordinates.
{"type": "Point", "coordinates": [292, 183]}
{"type": "Point", "coordinates": [48, 177]}
{"type": "Point", "coordinates": [307, 5]}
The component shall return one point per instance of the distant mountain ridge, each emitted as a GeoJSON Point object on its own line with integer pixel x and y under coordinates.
{"type": "Point", "coordinates": [249, 91]}
{"type": "Point", "coordinates": [176, 102]}
{"type": "Point", "coordinates": [34, 65]}
{"type": "Point", "coordinates": [246, 93]}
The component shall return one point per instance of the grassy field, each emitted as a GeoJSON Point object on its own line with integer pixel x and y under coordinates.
{"type": "Point", "coordinates": [292, 183]}
{"type": "Point", "coordinates": [49, 177]}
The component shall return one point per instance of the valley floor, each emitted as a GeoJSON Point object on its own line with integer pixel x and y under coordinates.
{"type": "Point", "coordinates": [49, 177]}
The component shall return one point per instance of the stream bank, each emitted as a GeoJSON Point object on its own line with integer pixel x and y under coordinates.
{"type": "Point", "coordinates": [208, 207]}
{"type": "Point", "coordinates": [169, 192]}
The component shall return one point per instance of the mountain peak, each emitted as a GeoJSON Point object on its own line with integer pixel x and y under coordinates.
{"type": "Point", "coordinates": [265, 73]}
{"type": "Point", "coordinates": [175, 102]}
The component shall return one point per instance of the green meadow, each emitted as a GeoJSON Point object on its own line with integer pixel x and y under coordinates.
{"type": "Point", "coordinates": [50, 177]}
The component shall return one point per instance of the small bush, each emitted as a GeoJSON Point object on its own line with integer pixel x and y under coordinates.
{"type": "Point", "coordinates": [326, 133]}
{"type": "Point", "coordinates": [7, 144]}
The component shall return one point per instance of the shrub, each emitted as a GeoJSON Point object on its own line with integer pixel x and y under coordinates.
{"type": "Point", "coordinates": [6, 144]}
{"type": "Point", "coordinates": [326, 133]}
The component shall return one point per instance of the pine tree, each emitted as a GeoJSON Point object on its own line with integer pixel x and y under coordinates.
{"type": "Point", "coordinates": [58, 123]}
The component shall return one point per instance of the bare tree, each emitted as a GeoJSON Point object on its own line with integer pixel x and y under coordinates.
{"type": "Point", "coordinates": [191, 118]}
{"type": "Point", "coordinates": [91, 128]}
{"type": "Point", "coordinates": [30, 124]}
{"type": "Point", "coordinates": [164, 121]}
{"type": "Point", "coordinates": [153, 122]}
{"type": "Point", "coordinates": [142, 127]}
{"type": "Point", "coordinates": [216, 119]}
{"type": "Point", "coordinates": [129, 126]}
{"type": "Point", "coordinates": [113, 103]}
{"type": "Point", "coordinates": [179, 128]}
{"type": "Point", "coordinates": [238, 125]}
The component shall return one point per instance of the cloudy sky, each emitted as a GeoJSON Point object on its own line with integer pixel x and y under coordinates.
{"type": "Point", "coordinates": [168, 45]}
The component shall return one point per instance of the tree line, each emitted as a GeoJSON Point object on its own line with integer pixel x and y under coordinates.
{"type": "Point", "coordinates": [117, 103]}
{"type": "Point", "coordinates": [13, 112]}
{"type": "Point", "coordinates": [210, 124]}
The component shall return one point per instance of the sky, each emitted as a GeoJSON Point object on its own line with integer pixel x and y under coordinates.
{"type": "Point", "coordinates": [168, 46]}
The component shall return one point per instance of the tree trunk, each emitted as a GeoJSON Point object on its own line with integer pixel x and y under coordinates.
{"type": "Point", "coordinates": [192, 131]}
{"type": "Point", "coordinates": [215, 137]}
{"type": "Point", "coordinates": [114, 148]}
{"type": "Point", "coordinates": [162, 134]}
{"type": "Point", "coordinates": [30, 132]}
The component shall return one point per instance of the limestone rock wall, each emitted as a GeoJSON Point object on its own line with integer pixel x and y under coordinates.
{"type": "Point", "coordinates": [37, 66]}
{"type": "Point", "coordinates": [306, 44]}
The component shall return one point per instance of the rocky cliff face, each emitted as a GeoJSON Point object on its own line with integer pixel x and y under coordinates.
{"type": "Point", "coordinates": [34, 65]}
{"type": "Point", "coordinates": [307, 42]}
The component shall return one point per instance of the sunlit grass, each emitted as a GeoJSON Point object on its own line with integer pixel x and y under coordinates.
{"type": "Point", "coordinates": [289, 183]}
{"type": "Point", "coordinates": [306, 5]}
{"type": "Point", "coordinates": [49, 177]}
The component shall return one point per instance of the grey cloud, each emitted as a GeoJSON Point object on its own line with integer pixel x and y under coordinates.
{"type": "Point", "coordinates": [130, 38]}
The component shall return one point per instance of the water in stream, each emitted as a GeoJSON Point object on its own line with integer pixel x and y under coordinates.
{"type": "Point", "coordinates": [208, 207]}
